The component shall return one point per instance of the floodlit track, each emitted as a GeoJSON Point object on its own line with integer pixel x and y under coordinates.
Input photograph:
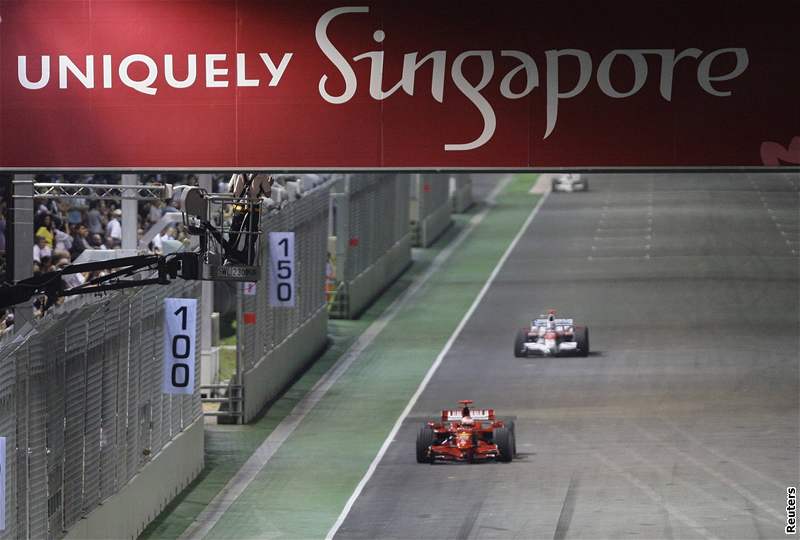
{"type": "Point", "coordinates": [684, 420]}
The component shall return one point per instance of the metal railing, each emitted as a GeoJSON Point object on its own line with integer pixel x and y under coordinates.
{"type": "Point", "coordinates": [82, 407]}
{"type": "Point", "coordinates": [55, 190]}
{"type": "Point", "coordinates": [370, 239]}
{"type": "Point", "coordinates": [301, 207]}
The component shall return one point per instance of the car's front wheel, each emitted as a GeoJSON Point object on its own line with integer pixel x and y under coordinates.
{"type": "Point", "coordinates": [582, 339]}
{"type": "Point", "coordinates": [519, 343]}
{"type": "Point", "coordinates": [504, 439]}
{"type": "Point", "coordinates": [424, 441]}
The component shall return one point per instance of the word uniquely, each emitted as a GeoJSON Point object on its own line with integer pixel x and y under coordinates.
{"type": "Point", "coordinates": [215, 71]}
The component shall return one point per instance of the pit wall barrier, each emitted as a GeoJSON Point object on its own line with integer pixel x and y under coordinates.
{"type": "Point", "coordinates": [461, 192]}
{"type": "Point", "coordinates": [276, 344]}
{"type": "Point", "coordinates": [370, 240]}
{"type": "Point", "coordinates": [94, 449]}
{"type": "Point", "coordinates": [430, 209]}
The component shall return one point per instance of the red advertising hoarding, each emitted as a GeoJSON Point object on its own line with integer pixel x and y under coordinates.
{"type": "Point", "coordinates": [211, 84]}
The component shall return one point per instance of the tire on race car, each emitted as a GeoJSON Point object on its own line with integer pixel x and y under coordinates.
{"type": "Point", "coordinates": [504, 439]}
{"type": "Point", "coordinates": [585, 185]}
{"type": "Point", "coordinates": [512, 428]}
{"type": "Point", "coordinates": [519, 343]}
{"type": "Point", "coordinates": [554, 185]}
{"type": "Point", "coordinates": [424, 441]}
{"type": "Point", "coordinates": [582, 339]}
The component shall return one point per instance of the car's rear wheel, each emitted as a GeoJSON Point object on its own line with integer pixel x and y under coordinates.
{"type": "Point", "coordinates": [504, 439]}
{"type": "Point", "coordinates": [586, 185]}
{"type": "Point", "coordinates": [519, 343]}
{"type": "Point", "coordinates": [554, 185]}
{"type": "Point", "coordinates": [582, 339]}
{"type": "Point", "coordinates": [424, 441]}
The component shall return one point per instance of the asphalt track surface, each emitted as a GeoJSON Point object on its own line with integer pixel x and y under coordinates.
{"type": "Point", "coordinates": [682, 423]}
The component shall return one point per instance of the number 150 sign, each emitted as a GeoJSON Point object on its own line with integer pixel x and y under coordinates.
{"type": "Point", "coordinates": [281, 269]}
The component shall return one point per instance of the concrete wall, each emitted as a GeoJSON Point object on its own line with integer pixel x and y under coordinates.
{"type": "Point", "coordinates": [273, 373]}
{"type": "Point", "coordinates": [430, 228]}
{"type": "Point", "coordinates": [461, 192]}
{"type": "Point", "coordinates": [126, 513]}
{"type": "Point", "coordinates": [368, 285]}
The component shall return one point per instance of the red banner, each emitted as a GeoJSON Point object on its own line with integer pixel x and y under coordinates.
{"type": "Point", "coordinates": [213, 84]}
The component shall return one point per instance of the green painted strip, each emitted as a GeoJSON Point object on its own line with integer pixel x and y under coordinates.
{"type": "Point", "coordinates": [310, 478]}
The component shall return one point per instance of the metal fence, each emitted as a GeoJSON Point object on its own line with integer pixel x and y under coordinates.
{"type": "Point", "coordinates": [430, 208]}
{"type": "Point", "coordinates": [267, 333]}
{"type": "Point", "coordinates": [370, 239]}
{"type": "Point", "coordinates": [82, 408]}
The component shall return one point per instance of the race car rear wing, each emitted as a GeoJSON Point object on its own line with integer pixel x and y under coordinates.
{"type": "Point", "coordinates": [558, 322]}
{"type": "Point", "coordinates": [454, 415]}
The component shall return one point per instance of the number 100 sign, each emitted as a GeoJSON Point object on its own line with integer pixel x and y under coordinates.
{"type": "Point", "coordinates": [180, 315]}
{"type": "Point", "coordinates": [281, 269]}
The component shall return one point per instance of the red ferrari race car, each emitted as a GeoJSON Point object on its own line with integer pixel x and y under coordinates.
{"type": "Point", "coordinates": [466, 435]}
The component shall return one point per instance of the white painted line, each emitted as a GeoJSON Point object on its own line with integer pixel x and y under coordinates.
{"type": "Point", "coordinates": [543, 184]}
{"type": "Point", "coordinates": [431, 371]}
{"type": "Point", "coordinates": [653, 495]}
{"type": "Point", "coordinates": [744, 492]}
{"type": "Point", "coordinates": [647, 463]}
{"type": "Point", "coordinates": [628, 237]}
{"type": "Point", "coordinates": [723, 457]}
{"type": "Point", "coordinates": [602, 257]}
{"type": "Point", "coordinates": [212, 513]}
{"type": "Point", "coordinates": [632, 230]}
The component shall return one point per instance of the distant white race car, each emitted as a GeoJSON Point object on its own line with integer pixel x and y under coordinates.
{"type": "Point", "coordinates": [570, 182]}
{"type": "Point", "coordinates": [551, 336]}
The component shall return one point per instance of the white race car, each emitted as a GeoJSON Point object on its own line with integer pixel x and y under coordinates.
{"type": "Point", "coordinates": [550, 336]}
{"type": "Point", "coordinates": [570, 182]}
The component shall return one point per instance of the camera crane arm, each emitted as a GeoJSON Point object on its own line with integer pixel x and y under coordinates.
{"type": "Point", "coordinates": [53, 286]}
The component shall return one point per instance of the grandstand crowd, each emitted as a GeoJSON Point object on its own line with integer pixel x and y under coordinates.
{"type": "Point", "coordinates": [65, 228]}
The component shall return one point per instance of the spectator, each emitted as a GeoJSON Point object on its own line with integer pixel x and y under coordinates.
{"type": "Point", "coordinates": [221, 183]}
{"type": "Point", "coordinates": [46, 264]}
{"type": "Point", "coordinates": [171, 207]}
{"type": "Point", "coordinates": [93, 219]}
{"type": "Point", "coordinates": [158, 240]}
{"type": "Point", "coordinates": [154, 213]}
{"type": "Point", "coordinates": [74, 215]}
{"type": "Point", "coordinates": [80, 241]}
{"type": "Point", "coordinates": [6, 320]}
{"type": "Point", "coordinates": [113, 228]}
{"type": "Point", "coordinates": [41, 249]}
{"type": "Point", "coordinates": [46, 230]}
{"type": "Point", "coordinates": [49, 206]}
{"type": "Point", "coordinates": [97, 242]}
{"type": "Point", "coordinates": [63, 241]}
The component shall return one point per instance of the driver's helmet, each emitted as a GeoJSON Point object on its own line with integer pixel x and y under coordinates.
{"type": "Point", "coordinates": [551, 322]}
{"type": "Point", "coordinates": [467, 421]}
